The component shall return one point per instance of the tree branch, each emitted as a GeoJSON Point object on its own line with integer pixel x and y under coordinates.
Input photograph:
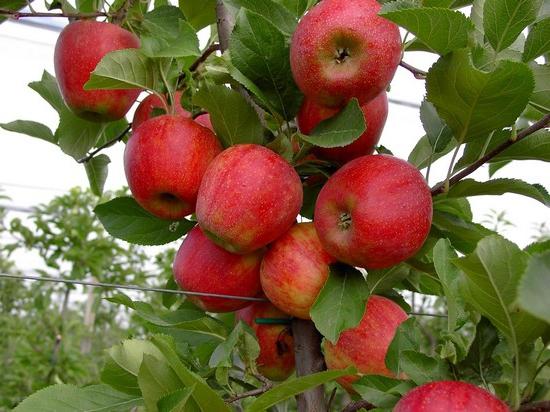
{"type": "Point", "coordinates": [541, 124]}
{"type": "Point", "coordinates": [267, 385]}
{"type": "Point", "coordinates": [207, 52]}
{"type": "Point", "coordinates": [358, 405]}
{"type": "Point", "coordinates": [417, 73]}
{"type": "Point", "coordinates": [90, 155]}
{"type": "Point", "coordinates": [542, 406]}
{"type": "Point", "coordinates": [14, 14]}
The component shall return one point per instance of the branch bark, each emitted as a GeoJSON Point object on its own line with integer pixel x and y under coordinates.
{"type": "Point", "coordinates": [267, 385]}
{"type": "Point", "coordinates": [309, 359]}
{"type": "Point", "coordinates": [90, 155]}
{"type": "Point", "coordinates": [542, 406]}
{"type": "Point", "coordinates": [417, 73]}
{"type": "Point", "coordinates": [358, 405]}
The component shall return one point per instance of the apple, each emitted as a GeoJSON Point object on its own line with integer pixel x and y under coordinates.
{"type": "Point", "coordinates": [144, 111]}
{"type": "Point", "coordinates": [79, 48]}
{"type": "Point", "coordinates": [249, 196]}
{"type": "Point", "coordinates": [375, 112]}
{"type": "Point", "coordinates": [366, 345]}
{"type": "Point", "coordinates": [276, 359]}
{"type": "Point", "coordinates": [202, 266]}
{"type": "Point", "coordinates": [450, 396]}
{"type": "Point", "coordinates": [343, 49]}
{"type": "Point", "coordinates": [165, 160]}
{"type": "Point", "coordinates": [374, 212]}
{"type": "Point", "coordinates": [294, 270]}
{"type": "Point", "coordinates": [204, 119]}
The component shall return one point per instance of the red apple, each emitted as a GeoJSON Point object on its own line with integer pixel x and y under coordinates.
{"type": "Point", "coordinates": [375, 112]}
{"type": "Point", "coordinates": [144, 111]}
{"type": "Point", "coordinates": [276, 360]}
{"type": "Point", "coordinates": [165, 160]}
{"type": "Point", "coordinates": [343, 49]}
{"type": "Point", "coordinates": [366, 345]}
{"type": "Point", "coordinates": [294, 270]}
{"type": "Point", "coordinates": [249, 196]}
{"type": "Point", "coordinates": [204, 119]}
{"type": "Point", "coordinates": [375, 212]}
{"type": "Point", "coordinates": [202, 266]}
{"type": "Point", "coordinates": [450, 396]}
{"type": "Point", "coordinates": [79, 48]}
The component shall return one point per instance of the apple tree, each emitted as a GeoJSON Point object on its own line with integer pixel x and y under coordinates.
{"type": "Point", "coordinates": [275, 120]}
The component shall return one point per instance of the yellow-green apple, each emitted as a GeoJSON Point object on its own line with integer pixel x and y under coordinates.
{"type": "Point", "coordinates": [204, 119]}
{"type": "Point", "coordinates": [276, 359]}
{"type": "Point", "coordinates": [374, 212]}
{"type": "Point", "coordinates": [165, 160]}
{"type": "Point", "coordinates": [366, 345]}
{"type": "Point", "coordinates": [202, 266]}
{"type": "Point", "coordinates": [249, 196]}
{"type": "Point", "coordinates": [144, 111]}
{"type": "Point", "coordinates": [450, 396]}
{"type": "Point", "coordinates": [375, 112]}
{"type": "Point", "coordinates": [343, 49]}
{"type": "Point", "coordinates": [294, 270]}
{"type": "Point", "coordinates": [79, 48]}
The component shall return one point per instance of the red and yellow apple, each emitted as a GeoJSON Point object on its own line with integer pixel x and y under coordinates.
{"type": "Point", "coordinates": [144, 111]}
{"type": "Point", "coordinates": [202, 266]}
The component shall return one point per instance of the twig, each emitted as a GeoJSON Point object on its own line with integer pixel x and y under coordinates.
{"type": "Point", "coordinates": [541, 124]}
{"type": "Point", "coordinates": [358, 405]}
{"type": "Point", "coordinates": [90, 155]}
{"type": "Point", "coordinates": [331, 399]}
{"type": "Point", "coordinates": [14, 14]}
{"type": "Point", "coordinates": [417, 73]}
{"type": "Point", "coordinates": [207, 52]}
{"type": "Point", "coordinates": [120, 14]}
{"type": "Point", "coordinates": [267, 385]}
{"type": "Point", "coordinates": [542, 406]}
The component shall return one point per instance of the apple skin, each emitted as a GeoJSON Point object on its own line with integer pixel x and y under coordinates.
{"type": "Point", "coordinates": [366, 345]}
{"type": "Point", "coordinates": [374, 212]}
{"type": "Point", "coordinates": [204, 119]}
{"type": "Point", "coordinates": [276, 359]}
{"type": "Point", "coordinates": [249, 196]}
{"type": "Point", "coordinates": [343, 49]}
{"type": "Point", "coordinates": [375, 112]}
{"type": "Point", "coordinates": [294, 270]}
{"type": "Point", "coordinates": [202, 266]}
{"type": "Point", "coordinates": [450, 396]}
{"type": "Point", "coordinates": [165, 160]}
{"type": "Point", "coordinates": [144, 111]}
{"type": "Point", "coordinates": [79, 48]}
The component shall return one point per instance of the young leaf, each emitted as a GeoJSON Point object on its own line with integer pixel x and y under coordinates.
{"type": "Point", "coordinates": [123, 218]}
{"type": "Point", "coordinates": [441, 29]}
{"type": "Point", "coordinates": [474, 103]}
{"type": "Point", "coordinates": [341, 303]}
{"type": "Point", "coordinates": [343, 129]}
{"type": "Point", "coordinates": [96, 170]}
{"type": "Point", "coordinates": [538, 40]}
{"type": "Point", "coordinates": [294, 386]}
{"type": "Point", "coordinates": [504, 20]}
{"type": "Point", "coordinates": [30, 128]}
{"type": "Point", "coordinates": [69, 398]}
{"type": "Point", "coordinates": [156, 379]}
{"type": "Point", "coordinates": [48, 89]}
{"type": "Point", "coordinates": [534, 287]}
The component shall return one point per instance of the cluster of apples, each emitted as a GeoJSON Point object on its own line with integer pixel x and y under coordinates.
{"type": "Point", "coordinates": [374, 212]}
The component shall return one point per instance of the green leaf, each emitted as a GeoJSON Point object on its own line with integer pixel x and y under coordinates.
{"type": "Point", "coordinates": [381, 391]}
{"type": "Point", "coordinates": [76, 136]}
{"type": "Point", "coordinates": [533, 147]}
{"type": "Point", "coordinates": [260, 51]}
{"type": "Point", "coordinates": [294, 386]}
{"type": "Point", "coordinates": [493, 272]}
{"type": "Point", "coordinates": [222, 355]}
{"type": "Point", "coordinates": [438, 133]}
{"type": "Point", "coordinates": [470, 187]}
{"type": "Point", "coordinates": [340, 305]}
{"type": "Point", "coordinates": [156, 379]}
{"type": "Point", "coordinates": [69, 398]}
{"type": "Point", "coordinates": [340, 130]}
{"type": "Point", "coordinates": [474, 103]}
{"type": "Point", "coordinates": [96, 170]}
{"type": "Point", "coordinates": [407, 337]}
{"type": "Point", "coordinates": [540, 99]}
{"type": "Point", "coordinates": [463, 235]}
{"type": "Point", "coordinates": [87, 6]}
{"type": "Point", "coordinates": [123, 218]}
{"type": "Point", "coordinates": [12, 5]}
{"type": "Point", "coordinates": [534, 287]}
{"type": "Point", "coordinates": [199, 13]}
{"type": "Point", "coordinates": [423, 153]}
{"type": "Point", "coordinates": [177, 401]}
{"type": "Point", "coordinates": [48, 89]}
{"type": "Point", "coordinates": [441, 29]}
{"type": "Point", "coordinates": [538, 40]}
{"type": "Point", "coordinates": [125, 69]}
{"type": "Point", "coordinates": [234, 120]}
{"type": "Point", "coordinates": [272, 11]}
{"type": "Point", "coordinates": [30, 128]}
{"type": "Point", "coordinates": [421, 368]}
{"type": "Point", "coordinates": [379, 281]}
{"type": "Point", "coordinates": [504, 20]}
{"type": "Point", "coordinates": [163, 21]}
{"type": "Point", "coordinates": [297, 7]}
{"type": "Point", "coordinates": [206, 398]}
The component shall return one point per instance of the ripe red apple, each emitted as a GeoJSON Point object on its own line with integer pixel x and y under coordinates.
{"type": "Point", "coordinates": [276, 359]}
{"type": "Point", "coordinates": [202, 266]}
{"type": "Point", "coordinates": [204, 119]}
{"type": "Point", "coordinates": [249, 196]}
{"type": "Point", "coordinates": [79, 48]}
{"type": "Point", "coordinates": [366, 345]}
{"type": "Point", "coordinates": [343, 49]}
{"type": "Point", "coordinates": [165, 160]}
{"type": "Point", "coordinates": [374, 212]}
{"type": "Point", "coordinates": [144, 111]}
{"type": "Point", "coordinates": [294, 270]}
{"type": "Point", "coordinates": [375, 112]}
{"type": "Point", "coordinates": [450, 396]}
